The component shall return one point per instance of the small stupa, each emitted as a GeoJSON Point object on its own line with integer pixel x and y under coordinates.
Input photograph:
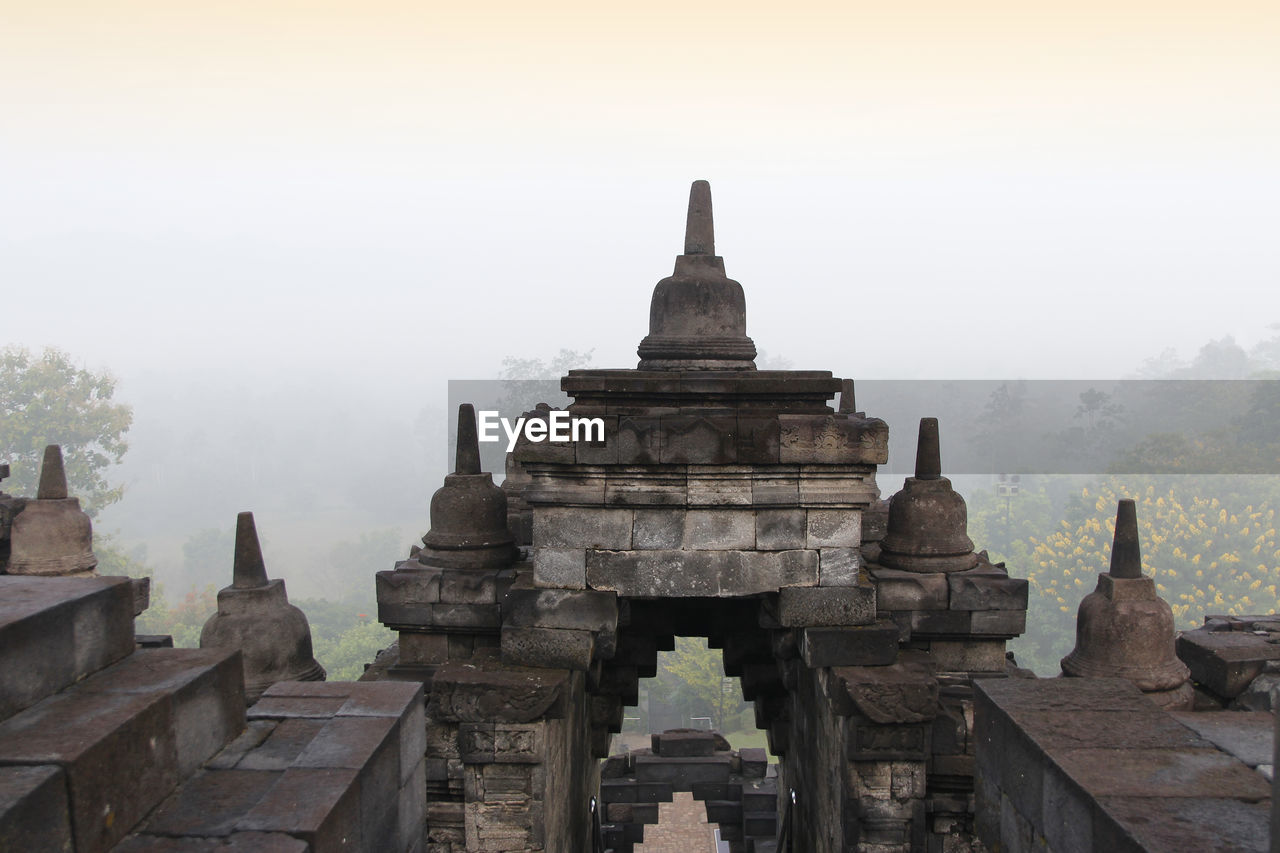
{"type": "Point", "coordinates": [468, 513]}
{"type": "Point", "coordinates": [928, 519]}
{"type": "Point", "coordinates": [1125, 630]}
{"type": "Point", "coordinates": [255, 616]}
{"type": "Point", "coordinates": [698, 315]}
{"type": "Point", "coordinates": [51, 535]}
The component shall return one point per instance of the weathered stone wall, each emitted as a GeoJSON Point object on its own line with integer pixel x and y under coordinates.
{"type": "Point", "coordinates": [1090, 764]}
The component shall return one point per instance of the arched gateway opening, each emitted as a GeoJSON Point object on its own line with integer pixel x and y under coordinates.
{"type": "Point", "coordinates": [724, 502]}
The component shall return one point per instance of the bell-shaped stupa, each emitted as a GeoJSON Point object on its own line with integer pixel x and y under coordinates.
{"type": "Point", "coordinates": [928, 520]}
{"type": "Point", "coordinates": [254, 615]}
{"type": "Point", "coordinates": [1125, 630]}
{"type": "Point", "coordinates": [698, 315]}
{"type": "Point", "coordinates": [51, 535]}
{"type": "Point", "coordinates": [468, 513]}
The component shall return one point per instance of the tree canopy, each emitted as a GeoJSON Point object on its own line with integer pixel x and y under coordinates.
{"type": "Point", "coordinates": [47, 399]}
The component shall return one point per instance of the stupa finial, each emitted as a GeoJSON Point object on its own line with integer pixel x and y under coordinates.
{"type": "Point", "coordinates": [699, 230]}
{"type": "Point", "coordinates": [249, 571]}
{"type": "Point", "coordinates": [467, 457]}
{"type": "Point", "coordinates": [53, 475]}
{"type": "Point", "coordinates": [928, 451]}
{"type": "Point", "coordinates": [1126, 553]}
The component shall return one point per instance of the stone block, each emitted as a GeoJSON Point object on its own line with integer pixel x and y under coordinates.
{"type": "Point", "coordinates": [56, 631]}
{"type": "Point", "coordinates": [876, 742]}
{"type": "Point", "coordinates": [683, 744]}
{"type": "Point", "coordinates": [255, 733]}
{"type": "Point", "coordinates": [941, 623]}
{"type": "Point", "coordinates": [776, 487]}
{"type": "Point", "coordinates": [212, 803]}
{"type": "Point", "coordinates": [755, 762]}
{"type": "Point", "coordinates": [320, 806]}
{"type": "Point", "coordinates": [1248, 735]}
{"type": "Point", "coordinates": [681, 773]}
{"type": "Point", "coordinates": [857, 645]}
{"type": "Point", "coordinates": [283, 707]}
{"type": "Point", "coordinates": [411, 810]}
{"type": "Point", "coordinates": [1189, 824]}
{"type": "Point", "coordinates": [697, 440]}
{"type": "Point", "coordinates": [464, 586]}
{"type": "Point", "coordinates": [804, 607]}
{"type": "Point", "coordinates": [117, 750]}
{"type": "Point", "coordinates": [719, 486]}
{"type": "Point", "coordinates": [968, 655]}
{"type": "Point", "coordinates": [354, 742]}
{"type": "Point", "coordinates": [834, 528]}
{"type": "Point", "coordinates": [670, 573]}
{"type": "Point", "coordinates": [780, 529]}
{"type": "Point", "coordinates": [816, 439]}
{"type": "Point", "coordinates": [758, 440]}
{"type": "Point", "coordinates": [469, 693]}
{"type": "Point", "coordinates": [903, 692]}
{"type": "Point", "coordinates": [1161, 773]}
{"type": "Point", "coordinates": [34, 813]}
{"type": "Point", "coordinates": [419, 647]}
{"type": "Point", "coordinates": [986, 588]}
{"type": "Point", "coordinates": [562, 568]}
{"type": "Point", "coordinates": [724, 811]}
{"type": "Point", "coordinates": [899, 590]}
{"type": "Point", "coordinates": [718, 530]}
{"type": "Point", "coordinates": [582, 527]}
{"type": "Point", "coordinates": [466, 617]}
{"type": "Point", "coordinates": [205, 686]}
{"type": "Point", "coordinates": [282, 747]}
{"type": "Point", "coordinates": [998, 623]}
{"type": "Point", "coordinates": [657, 529]}
{"type": "Point", "coordinates": [839, 567]}
{"type": "Point", "coordinates": [549, 648]}
{"type": "Point", "coordinates": [1225, 661]}
{"type": "Point", "coordinates": [580, 610]}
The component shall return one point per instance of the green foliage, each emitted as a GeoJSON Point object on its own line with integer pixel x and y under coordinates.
{"type": "Point", "coordinates": [1207, 554]}
{"type": "Point", "coordinates": [691, 683]}
{"type": "Point", "coordinates": [48, 400]}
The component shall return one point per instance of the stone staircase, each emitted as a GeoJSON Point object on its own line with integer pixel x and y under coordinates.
{"type": "Point", "coordinates": [106, 746]}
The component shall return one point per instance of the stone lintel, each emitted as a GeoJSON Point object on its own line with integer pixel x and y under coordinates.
{"type": "Point", "coordinates": [463, 692]}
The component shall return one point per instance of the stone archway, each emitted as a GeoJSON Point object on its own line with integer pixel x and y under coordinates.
{"type": "Point", "coordinates": [725, 502]}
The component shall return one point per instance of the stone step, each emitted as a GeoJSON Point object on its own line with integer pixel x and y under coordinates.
{"type": "Point", "coordinates": [124, 738]}
{"type": "Point", "coordinates": [56, 631]}
{"type": "Point", "coordinates": [320, 766]}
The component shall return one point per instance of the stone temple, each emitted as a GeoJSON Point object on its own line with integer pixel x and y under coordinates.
{"type": "Point", "coordinates": [723, 502]}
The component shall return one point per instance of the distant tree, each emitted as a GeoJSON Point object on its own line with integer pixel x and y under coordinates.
{"type": "Point", "coordinates": [47, 399]}
{"type": "Point", "coordinates": [691, 681]}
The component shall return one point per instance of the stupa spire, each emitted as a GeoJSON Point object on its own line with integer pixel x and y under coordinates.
{"type": "Point", "coordinates": [928, 451]}
{"type": "Point", "coordinates": [53, 475]}
{"type": "Point", "coordinates": [467, 456]}
{"type": "Point", "coordinates": [249, 571]}
{"type": "Point", "coordinates": [699, 230]}
{"type": "Point", "coordinates": [1126, 553]}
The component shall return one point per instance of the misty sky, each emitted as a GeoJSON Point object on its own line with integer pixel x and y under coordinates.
{"type": "Point", "coordinates": [411, 192]}
{"type": "Point", "coordinates": [386, 195]}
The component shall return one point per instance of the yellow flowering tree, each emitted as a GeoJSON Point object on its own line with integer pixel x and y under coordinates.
{"type": "Point", "coordinates": [1207, 554]}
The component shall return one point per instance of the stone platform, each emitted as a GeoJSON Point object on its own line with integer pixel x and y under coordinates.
{"type": "Point", "coordinates": [108, 746]}
{"type": "Point", "coordinates": [1086, 764]}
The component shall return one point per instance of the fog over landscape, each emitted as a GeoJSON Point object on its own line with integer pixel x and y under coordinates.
{"type": "Point", "coordinates": [285, 228]}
